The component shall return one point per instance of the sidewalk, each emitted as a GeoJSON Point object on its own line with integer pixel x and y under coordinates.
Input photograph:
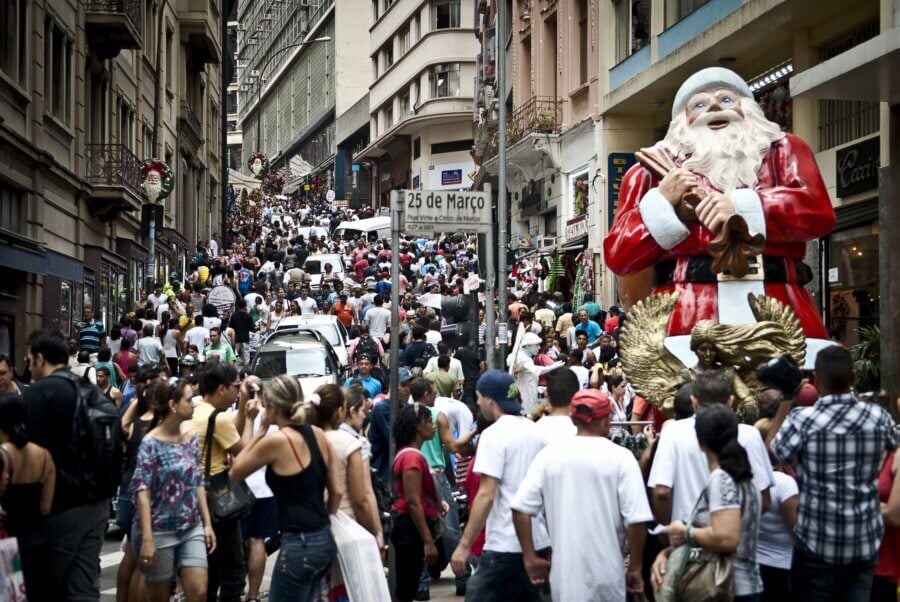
{"type": "Point", "coordinates": [444, 589]}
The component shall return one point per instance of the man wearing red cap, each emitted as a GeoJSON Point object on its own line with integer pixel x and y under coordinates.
{"type": "Point", "coordinates": [592, 494]}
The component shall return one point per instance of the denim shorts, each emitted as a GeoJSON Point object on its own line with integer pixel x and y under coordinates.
{"type": "Point", "coordinates": [174, 550]}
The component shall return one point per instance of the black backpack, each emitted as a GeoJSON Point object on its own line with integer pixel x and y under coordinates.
{"type": "Point", "coordinates": [368, 347]}
{"type": "Point", "coordinates": [429, 352]}
{"type": "Point", "coordinates": [95, 441]}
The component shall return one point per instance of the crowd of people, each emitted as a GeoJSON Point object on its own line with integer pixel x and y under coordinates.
{"type": "Point", "coordinates": [577, 487]}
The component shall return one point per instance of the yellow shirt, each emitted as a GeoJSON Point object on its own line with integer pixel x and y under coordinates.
{"type": "Point", "coordinates": [224, 437]}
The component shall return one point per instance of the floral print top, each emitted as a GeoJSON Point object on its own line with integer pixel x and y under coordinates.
{"type": "Point", "coordinates": [171, 473]}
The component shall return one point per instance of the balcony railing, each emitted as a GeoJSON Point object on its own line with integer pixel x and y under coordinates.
{"type": "Point", "coordinates": [129, 8]}
{"type": "Point", "coordinates": [191, 124]}
{"type": "Point", "coordinates": [113, 165]}
{"type": "Point", "coordinates": [539, 115]}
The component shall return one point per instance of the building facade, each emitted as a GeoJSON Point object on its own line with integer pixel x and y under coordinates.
{"type": "Point", "coordinates": [299, 67]}
{"type": "Point", "coordinates": [422, 65]}
{"type": "Point", "coordinates": [613, 67]}
{"type": "Point", "coordinates": [88, 91]}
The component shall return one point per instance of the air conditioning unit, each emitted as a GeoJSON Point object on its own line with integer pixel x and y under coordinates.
{"type": "Point", "coordinates": [251, 42]}
{"type": "Point", "coordinates": [545, 242]}
{"type": "Point", "coordinates": [254, 72]}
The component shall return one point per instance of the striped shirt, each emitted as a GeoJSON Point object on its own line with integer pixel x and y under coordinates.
{"type": "Point", "coordinates": [839, 443]}
{"type": "Point", "coordinates": [89, 336]}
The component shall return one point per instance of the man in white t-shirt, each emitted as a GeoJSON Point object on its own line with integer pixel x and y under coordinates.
{"type": "Point", "coordinates": [562, 384]}
{"type": "Point", "coordinates": [306, 303]}
{"type": "Point", "coordinates": [505, 452]}
{"type": "Point", "coordinates": [591, 492]}
{"type": "Point", "coordinates": [197, 336]}
{"type": "Point", "coordinates": [378, 318]}
{"type": "Point", "coordinates": [680, 470]}
{"type": "Point", "coordinates": [458, 415]}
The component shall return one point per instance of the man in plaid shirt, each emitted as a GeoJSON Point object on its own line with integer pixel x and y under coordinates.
{"type": "Point", "coordinates": [839, 445]}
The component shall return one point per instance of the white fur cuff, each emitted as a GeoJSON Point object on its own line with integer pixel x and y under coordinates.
{"type": "Point", "coordinates": [747, 205]}
{"type": "Point", "coordinates": [659, 216]}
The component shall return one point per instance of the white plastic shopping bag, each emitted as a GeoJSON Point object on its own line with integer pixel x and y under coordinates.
{"type": "Point", "coordinates": [12, 580]}
{"type": "Point", "coordinates": [360, 560]}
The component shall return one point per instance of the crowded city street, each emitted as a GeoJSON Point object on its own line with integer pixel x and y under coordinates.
{"type": "Point", "coordinates": [482, 300]}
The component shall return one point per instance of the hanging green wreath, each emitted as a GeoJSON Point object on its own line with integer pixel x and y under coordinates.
{"type": "Point", "coordinates": [258, 170]}
{"type": "Point", "coordinates": [155, 191]}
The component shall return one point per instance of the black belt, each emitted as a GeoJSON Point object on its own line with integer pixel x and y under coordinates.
{"type": "Point", "coordinates": [699, 271]}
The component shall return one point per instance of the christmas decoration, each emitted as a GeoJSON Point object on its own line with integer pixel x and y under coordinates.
{"type": "Point", "coordinates": [258, 164]}
{"type": "Point", "coordinates": [157, 180]}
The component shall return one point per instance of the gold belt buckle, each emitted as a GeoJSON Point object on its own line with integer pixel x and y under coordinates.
{"type": "Point", "coordinates": [755, 273]}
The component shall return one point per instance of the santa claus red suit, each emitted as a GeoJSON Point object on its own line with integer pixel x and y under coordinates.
{"type": "Point", "coordinates": [789, 205]}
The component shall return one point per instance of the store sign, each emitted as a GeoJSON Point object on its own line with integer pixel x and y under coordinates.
{"type": "Point", "coordinates": [430, 211]}
{"type": "Point", "coordinates": [577, 226]}
{"type": "Point", "coordinates": [856, 167]}
{"type": "Point", "coordinates": [618, 165]}
{"type": "Point", "coordinates": [451, 177]}
{"type": "Point", "coordinates": [223, 297]}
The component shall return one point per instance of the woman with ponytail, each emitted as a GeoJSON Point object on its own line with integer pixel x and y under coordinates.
{"type": "Point", "coordinates": [173, 531]}
{"type": "Point", "coordinates": [28, 495]}
{"type": "Point", "coordinates": [725, 519]}
{"type": "Point", "coordinates": [301, 466]}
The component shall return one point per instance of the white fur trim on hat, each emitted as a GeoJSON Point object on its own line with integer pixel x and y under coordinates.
{"type": "Point", "coordinates": [530, 339]}
{"type": "Point", "coordinates": [706, 79]}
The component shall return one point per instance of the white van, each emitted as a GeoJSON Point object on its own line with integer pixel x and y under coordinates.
{"type": "Point", "coordinates": [374, 228]}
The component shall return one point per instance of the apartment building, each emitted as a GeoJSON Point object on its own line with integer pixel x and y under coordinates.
{"type": "Point", "coordinates": [420, 103]}
{"type": "Point", "coordinates": [299, 67]}
{"type": "Point", "coordinates": [88, 91]}
{"type": "Point", "coordinates": [613, 66]}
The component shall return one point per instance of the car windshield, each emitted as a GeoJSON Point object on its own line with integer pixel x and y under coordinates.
{"type": "Point", "coordinates": [316, 265]}
{"type": "Point", "coordinates": [302, 363]}
{"type": "Point", "coordinates": [313, 266]}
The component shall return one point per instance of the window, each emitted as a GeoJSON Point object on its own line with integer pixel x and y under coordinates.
{"type": "Point", "coordinates": [231, 103]}
{"type": "Point", "coordinates": [579, 192]}
{"type": "Point", "coordinates": [446, 14]}
{"type": "Point", "coordinates": [14, 39]}
{"type": "Point", "coordinates": [632, 27]}
{"type": "Point", "coordinates": [125, 115]}
{"type": "Point", "coordinates": [388, 52]}
{"type": "Point", "coordinates": [417, 147]}
{"type": "Point", "coordinates": [403, 40]}
{"type": "Point", "coordinates": [677, 10]}
{"type": "Point", "coordinates": [150, 30]}
{"type": "Point", "coordinates": [147, 141]}
{"type": "Point", "coordinates": [404, 105]}
{"type": "Point", "coordinates": [170, 60]}
{"type": "Point", "coordinates": [57, 72]}
{"type": "Point", "coordinates": [11, 204]}
{"type": "Point", "coordinates": [388, 116]}
{"type": "Point", "coordinates": [445, 79]}
{"type": "Point", "coordinates": [581, 14]}
{"type": "Point", "coordinates": [375, 10]}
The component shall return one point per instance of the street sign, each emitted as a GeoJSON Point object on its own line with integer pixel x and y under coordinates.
{"type": "Point", "coordinates": [430, 211]}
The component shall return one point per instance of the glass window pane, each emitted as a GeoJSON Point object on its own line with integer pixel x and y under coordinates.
{"type": "Point", "coordinates": [853, 281]}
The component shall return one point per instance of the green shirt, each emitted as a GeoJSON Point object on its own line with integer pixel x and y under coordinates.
{"type": "Point", "coordinates": [444, 383]}
{"type": "Point", "coordinates": [432, 450]}
{"type": "Point", "coordinates": [223, 350]}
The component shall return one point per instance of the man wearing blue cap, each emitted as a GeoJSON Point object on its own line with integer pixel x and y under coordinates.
{"type": "Point", "coordinates": [505, 452]}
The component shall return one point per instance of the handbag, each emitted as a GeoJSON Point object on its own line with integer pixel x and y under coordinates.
{"type": "Point", "coordinates": [697, 575]}
{"type": "Point", "coordinates": [227, 499]}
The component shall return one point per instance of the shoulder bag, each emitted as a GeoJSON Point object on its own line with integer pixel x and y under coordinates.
{"type": "Point", "coordinates": [227, 499]}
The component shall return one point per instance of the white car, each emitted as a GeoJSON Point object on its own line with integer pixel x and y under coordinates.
{"type": "Point", "coordinates": [331, 329]}
{"type": "Point", "coordinates": [314, 266]}
{"type": "Point", "coordinates": [302, 354]}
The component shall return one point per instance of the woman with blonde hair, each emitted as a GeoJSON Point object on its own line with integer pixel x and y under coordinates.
{"type": "Point", "coordinates": [301, 466]}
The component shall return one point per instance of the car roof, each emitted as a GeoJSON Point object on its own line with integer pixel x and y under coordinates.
{"type": "Point", "coordinates": [310, 319]}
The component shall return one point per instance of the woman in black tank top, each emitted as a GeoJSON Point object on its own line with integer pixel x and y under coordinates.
{"type": "Point", "coordinates": [299, 469]}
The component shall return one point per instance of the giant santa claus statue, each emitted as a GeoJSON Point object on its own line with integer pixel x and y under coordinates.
{"type": "Point", "coordinates": [720, 158]}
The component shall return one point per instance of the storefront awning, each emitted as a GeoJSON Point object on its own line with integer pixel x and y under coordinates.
{"type": "Point", "coordinates": [574, 244]}
{"type": "Point", "coordinates": [22, 260]}
{"type": "Point", "coordinates": [65, 267]}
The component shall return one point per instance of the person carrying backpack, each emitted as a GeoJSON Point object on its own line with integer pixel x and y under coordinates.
{"type": "Point", "coordinates": [80, 428]}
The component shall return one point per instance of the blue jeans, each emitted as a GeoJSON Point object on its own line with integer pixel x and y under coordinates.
{"type": "Point", "coordinates": [302, 562]}
{"type": "Point", "coordinates": [452, 533]}
{"type": "Point", "coordinates": [814, 580]}
{"type": "Point", "coordinates": [501, 577]}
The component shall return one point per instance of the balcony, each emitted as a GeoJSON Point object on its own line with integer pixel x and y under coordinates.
{"type": "Point", "coordinates": [190, 128]}
{"type": "Point", "coordinates": [113, 25]}
{"type": "Point", "coordinates": [115, 175]}
{"type": "Point", "coordinates": [539, 115]}
{"type": "Point", "coordinates": [198, 21]}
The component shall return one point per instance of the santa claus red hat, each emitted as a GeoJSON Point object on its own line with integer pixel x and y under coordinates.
{"type": "Point", "coordinates": [707, 79]}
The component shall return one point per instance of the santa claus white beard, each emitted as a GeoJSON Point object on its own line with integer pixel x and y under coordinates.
{"type": "Point", "coordinates": [728, 157]}
{"type": "Point", "coordinates": [152, 190]}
